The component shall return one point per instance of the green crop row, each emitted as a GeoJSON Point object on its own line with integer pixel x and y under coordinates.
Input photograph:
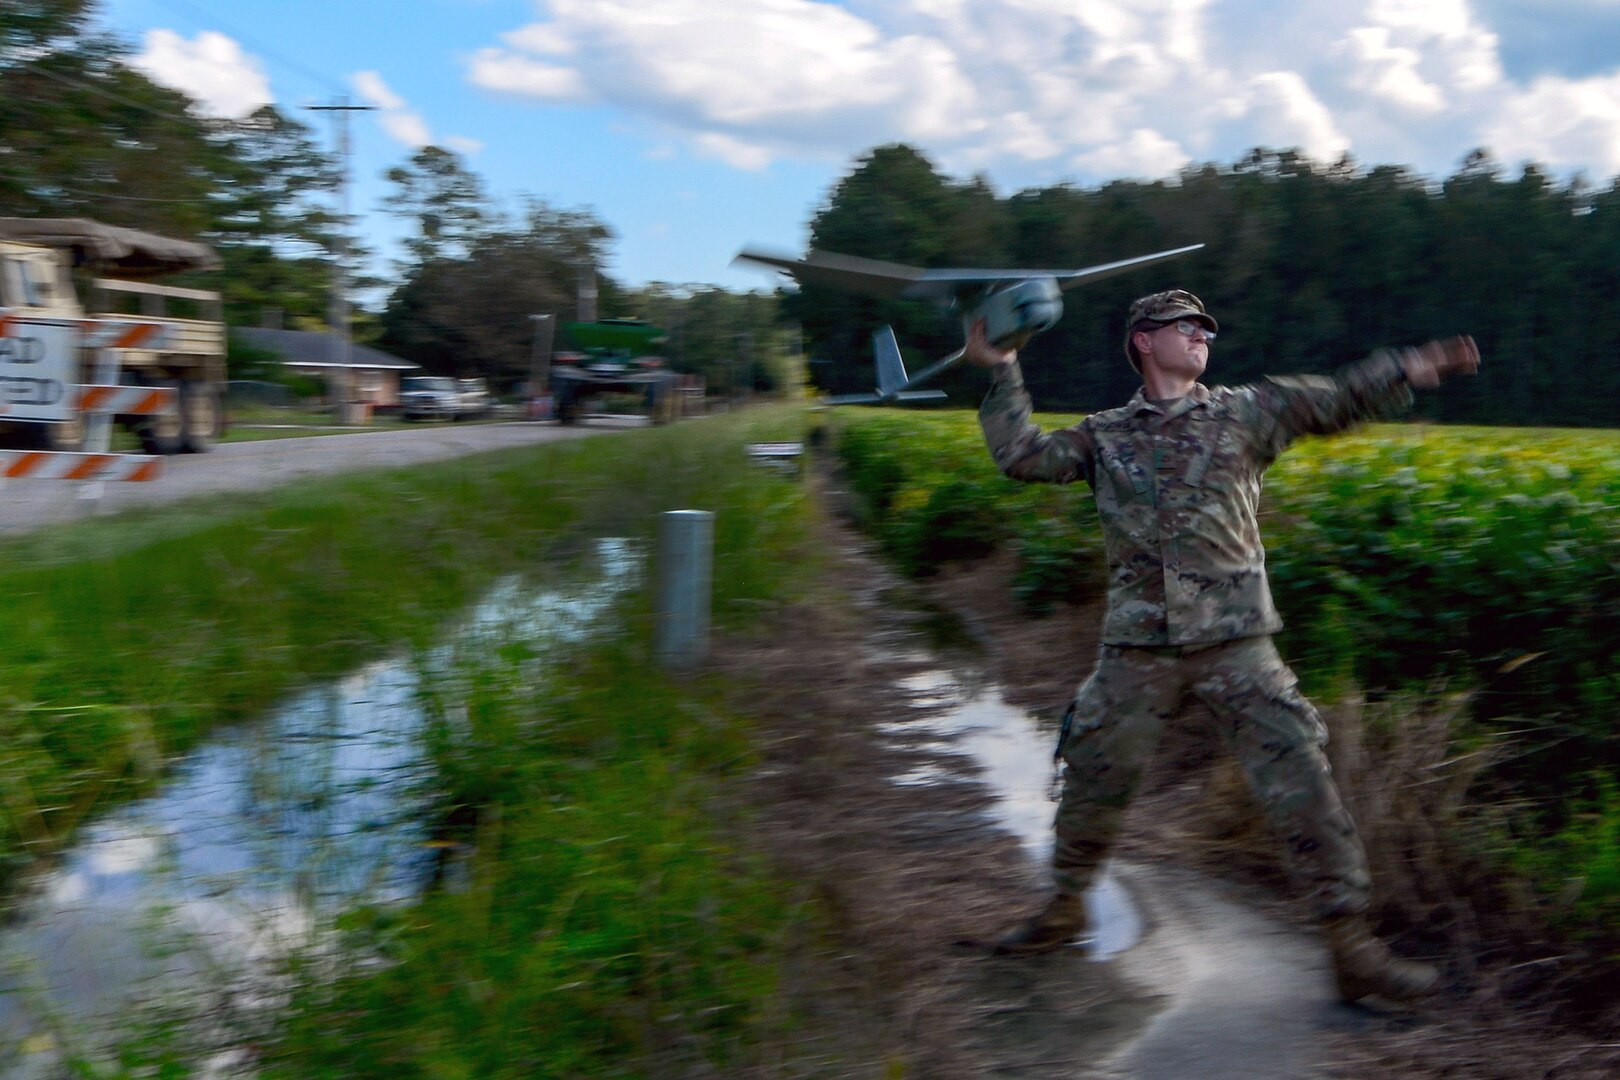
{"type": "Point", "coordinates": [1490, 553]}
{"type": "Point", "coordinates": [926, 488]}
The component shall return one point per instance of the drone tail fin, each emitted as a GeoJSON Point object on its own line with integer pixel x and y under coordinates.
{"type": "Point", "coordinates": [891, 370]}
{"type": "Point", "coordinates": [893, 384]}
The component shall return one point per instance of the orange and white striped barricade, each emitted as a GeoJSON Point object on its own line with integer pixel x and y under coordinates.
{"type": "Point", "coordinates": [126, 400]}
{"type": "Point", "coordinates": [40, 382]}
{"type": "Point", "coordinates": [39, 361]}
{"type": "Point", "coordinates": [124, 334]}
{"type": "Point", "coordinates": [60, 465]}
{"type": "Point", "coordinates": [100, 399]}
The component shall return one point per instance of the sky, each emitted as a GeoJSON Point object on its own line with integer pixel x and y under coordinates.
{"type": "Point", "coordinates": [695, 127]}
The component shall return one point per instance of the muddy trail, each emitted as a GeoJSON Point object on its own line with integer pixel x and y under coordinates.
{"type": "Point", "coordinates": [1226, 978]}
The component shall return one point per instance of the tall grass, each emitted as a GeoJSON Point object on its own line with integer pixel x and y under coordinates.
{"type": "Point", "coordinates": [604, 925]}
{"type": "Point", "coordinates": [604, 920]}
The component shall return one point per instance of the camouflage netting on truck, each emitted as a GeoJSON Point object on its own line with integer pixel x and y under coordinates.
{"type": "Point", "coordinates": [110, 249]}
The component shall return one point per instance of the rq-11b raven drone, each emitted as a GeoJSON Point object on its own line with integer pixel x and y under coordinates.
{"type": "Point", "coordinates": [1015, 304]}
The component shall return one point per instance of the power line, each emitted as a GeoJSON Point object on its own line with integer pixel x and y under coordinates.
{"type": "Point", "coordinates": [78, 84]}
{"type": "Point", "coordinates": [126, 198]}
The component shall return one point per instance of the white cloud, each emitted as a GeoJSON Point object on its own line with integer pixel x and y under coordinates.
{"type": "Point", "coordinates": [406, 128]}
{"type": "Point", "coordinates": [1033, 87]}
{"type": "Point", "coordinates": [1143, 153]}
{"type": "Point", "coordinates": [1282, 105]}
{"type": "Point", "coordinates": [733, 152]}
{"type": "Point", "coordinates": [212, 69]}
{"type": "Point", "coordinates": [794, 70]}
{"type": "Point", "coordinates": [498, 69]}
{"type": "Point", "coordinates": [402, 123]}
{"type": "Point", "coordinates": [1562, 123]}
{"type": "Point", "coordinates": [463, 145]}
{"type": "Point", "coordinates": [372, 87]}
{"type": "Point", "coordinates": [1389, 72]}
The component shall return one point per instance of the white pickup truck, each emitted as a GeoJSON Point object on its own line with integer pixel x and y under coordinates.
{"type": "Point", "coordinates": [50, 346]}
{"type": "Point", "coordinates": [439, 397]}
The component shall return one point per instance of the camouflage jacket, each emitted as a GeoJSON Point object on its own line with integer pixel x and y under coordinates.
{"type": "Point", "coordinates": [1178, 488]}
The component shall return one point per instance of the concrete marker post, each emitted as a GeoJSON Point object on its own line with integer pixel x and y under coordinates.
{"type": "Point", "coordinates": [685, 583]}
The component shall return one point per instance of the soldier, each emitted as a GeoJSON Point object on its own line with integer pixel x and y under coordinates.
{"type": "Point", "coordinates": [1176, 474]}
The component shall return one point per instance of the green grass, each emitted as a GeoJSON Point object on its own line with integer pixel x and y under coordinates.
{"type": "Point", "coordinates": [133, 637]}
{"type": "Point", "coordinates": [608, 921]}
{"type": "Point", "coordinates": [607, 925]}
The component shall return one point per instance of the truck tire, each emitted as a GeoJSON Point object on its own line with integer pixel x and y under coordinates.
{"type": "Point", "coordinates": [161, 433]}
{"type": "Point", "coordinates": [66, 437]}
{"type": "Point", "coordinates": [200, 416]}
{"type": "Point", "coordinates": [567, 405]}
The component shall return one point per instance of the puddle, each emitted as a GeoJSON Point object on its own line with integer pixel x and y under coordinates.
{"type": "Point", "coordinates": [1013, 754]}
{"type": "Point", "coordinates": [260, 838]}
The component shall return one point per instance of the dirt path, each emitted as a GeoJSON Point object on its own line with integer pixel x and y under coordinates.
{"type": "Point", "coordinates": [1223, 984]}
{"type": "Point", "coordinates": [1249, 997]}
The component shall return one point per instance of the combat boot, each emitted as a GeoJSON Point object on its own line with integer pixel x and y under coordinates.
{"type": "Point", "coordinates": [1364, 966]}
{"type": "Point", "coordinates": [1061, 921]}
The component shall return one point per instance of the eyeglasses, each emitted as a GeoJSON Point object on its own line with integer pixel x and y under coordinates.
{"type": "Point", "coordinates": [1187, 328]}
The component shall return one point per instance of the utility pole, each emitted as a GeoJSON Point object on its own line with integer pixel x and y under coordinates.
{"type": "Point", "coordinates": [540, 358]}
{"type": "Point", "coordinates": [587, 290]}
{"type": "Point", "coordinates": [341, 352]}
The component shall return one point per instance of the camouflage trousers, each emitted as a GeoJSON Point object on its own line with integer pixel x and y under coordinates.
{"type": "Point", "coordinates": [1118, 715]}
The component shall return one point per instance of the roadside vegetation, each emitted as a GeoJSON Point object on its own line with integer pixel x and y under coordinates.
{"type": "Point", "coordinates": [1451, 594]}
{"type": "Point", "coordinates": [1447, 592]}
{"type": "Point", "coordinates": [606, 917]}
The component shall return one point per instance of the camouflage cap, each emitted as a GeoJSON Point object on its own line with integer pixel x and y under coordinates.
{"type": "Point", "coordinates": [1161, 308]}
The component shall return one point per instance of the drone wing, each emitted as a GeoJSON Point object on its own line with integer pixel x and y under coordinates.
{"type": "Point", "coordinates": [1068, 279]}
{"type": "Point", "coordinates": [869, 276]}
{"type": "Point", "coordinates": [895, 281]}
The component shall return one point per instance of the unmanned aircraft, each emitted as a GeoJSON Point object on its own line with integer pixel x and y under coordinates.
{"type": "Point", "coordinates": [1015, 304]}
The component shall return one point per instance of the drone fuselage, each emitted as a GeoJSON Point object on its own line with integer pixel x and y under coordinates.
{"type": "Point", "coordinates": [1015, 312]}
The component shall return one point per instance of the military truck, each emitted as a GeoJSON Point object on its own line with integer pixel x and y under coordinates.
{"type": "Point", "coordinates": [44, 264]}
{"type": "Point", "coordinates": [613, 364]}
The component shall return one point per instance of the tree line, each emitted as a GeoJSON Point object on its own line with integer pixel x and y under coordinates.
{"type": "Point", "coordinates": [1306, 266]}
{"type": "Point", "coordinates": [87, 135]}
{"type": "Point", "coordinates": [474, 273]}
{"type": "Point", "coordinates": [83, 133]}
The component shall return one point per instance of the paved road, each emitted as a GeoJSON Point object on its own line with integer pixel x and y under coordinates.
{"type": "Point", "coordinates": [251, 466]}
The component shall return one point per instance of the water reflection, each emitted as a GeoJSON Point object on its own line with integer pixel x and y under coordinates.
{"type": "Point", "coordinates": [259, 839]}
{"type": "Point", "coordinates": [1013, 754]}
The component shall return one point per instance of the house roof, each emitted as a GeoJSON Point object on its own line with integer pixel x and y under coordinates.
{"type": "Point", "coordinates": [307, 348]}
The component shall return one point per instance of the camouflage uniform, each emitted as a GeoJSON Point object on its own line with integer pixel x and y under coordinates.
{"type": "Point", "coordinates": [1177, 486]}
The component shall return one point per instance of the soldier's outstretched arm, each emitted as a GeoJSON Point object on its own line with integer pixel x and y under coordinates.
{"type": "Point", "coordinates": [1020, 448]}
{"type": "Point", "coordinates": [1379, 387]}
{"type": "Point", "coordinates": [1430, 364]}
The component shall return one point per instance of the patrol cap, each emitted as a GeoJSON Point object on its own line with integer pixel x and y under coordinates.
{"type": "Point", "coordinates": [1159, 309]}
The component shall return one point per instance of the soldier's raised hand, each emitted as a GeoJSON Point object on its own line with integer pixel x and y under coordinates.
{"type": "Point", "coordinates": [1426, 365]}
{"type": "Point", "coordinates": [979, 350]}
